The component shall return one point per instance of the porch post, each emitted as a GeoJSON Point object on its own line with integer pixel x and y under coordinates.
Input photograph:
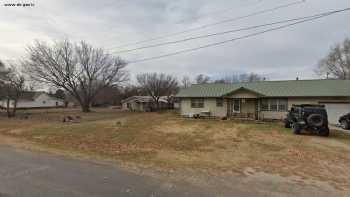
{"type": "Point", "coordinates": [257, 109]}
{"type": "Point", "coordinates": [229, 110]}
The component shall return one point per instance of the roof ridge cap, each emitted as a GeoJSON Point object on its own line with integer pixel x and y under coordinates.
{"type": "Point", "coordinates": [272, 81]}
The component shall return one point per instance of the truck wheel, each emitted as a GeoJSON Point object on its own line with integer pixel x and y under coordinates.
{"type": "Point", "coordinates": [344, 124]}
{"type": "Point", "coordinates": [287, 124]}
{"type": "Point", "coordinates": [315, 120]}
{"type": "Point", "coordinates": [296, 128]}
{"type": "Point", "coordinates": [324, 132]}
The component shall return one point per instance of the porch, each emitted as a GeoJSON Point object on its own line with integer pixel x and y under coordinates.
{"type": "Point", "coordinates": [242, 108]}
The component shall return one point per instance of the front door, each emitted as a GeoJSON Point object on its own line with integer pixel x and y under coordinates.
{"type": "Point", "coordinates": [236, 106]}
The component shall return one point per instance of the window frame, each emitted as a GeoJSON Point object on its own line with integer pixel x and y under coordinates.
{"type": "Point", "coordinates": [219, 102]}
{"type": "Point", "coordinates": [285, 104]}
{"type": "Point", "coordinates": [234, 105]}
{"type": "Point", "coordinates": [197, 103]}
{"type": "Point", "coordinates": [273, 105]}
{"type": "Point", "coordinates": [267, 105]}
{"type": "Point", "coordinates": [279, 102]}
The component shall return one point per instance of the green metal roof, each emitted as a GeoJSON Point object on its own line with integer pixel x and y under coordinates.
{"type": "Point", "coordinates": [296, 88]}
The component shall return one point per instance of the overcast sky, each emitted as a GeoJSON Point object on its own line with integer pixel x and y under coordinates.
{"type": "Point", "coordinates": [278, 55]}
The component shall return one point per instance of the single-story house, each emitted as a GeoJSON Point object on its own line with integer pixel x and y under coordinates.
{"type": "Point", "coordinates": [143, 103]}
{"type": "Point", "coordinates": [32, 99]}
{"type": "Point", "coordinates": [266, 99]}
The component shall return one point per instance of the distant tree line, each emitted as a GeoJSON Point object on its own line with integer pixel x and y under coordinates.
{"type": "Point", "coordinates": [227, 79]}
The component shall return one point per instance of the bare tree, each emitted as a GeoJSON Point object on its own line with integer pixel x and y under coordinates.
{"type": "Point", "coordinates": [233, 78]}
{"type": "Point", "coordinates": [108, 96]}
{"type": "Point", "coordinates": [130, 90]}
{"type": "Point", "coordinates": [220, 81]}
{"type": "Point", "coordinates": [245, 77]}
{"type": "Point", "coordinates": [250, 77]}
{"type": "Point", "coordinates": [78, 68]}
{"type": "Point", "coordinates": [186, 82]}
{"type": "Point", "coordinates": [173, 87]}
{"type": "Point", "coordinates": [60, 94]}
{"type": "Point", "coordinates": [3, 71]}
{"type": "Point", "coordinates": [157, 85]}
{"type": "Point", "coordinates": [13, 86]}
{"type": "Point", "coordinates": [337, 62]}
{"type": "Point", "coordinates": [2, 65]}
{"type": "Point", "coordinates": [202, 79]}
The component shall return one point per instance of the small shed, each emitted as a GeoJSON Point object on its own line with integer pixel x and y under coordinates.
{"type": "Point", "coordinates": [143, 104]}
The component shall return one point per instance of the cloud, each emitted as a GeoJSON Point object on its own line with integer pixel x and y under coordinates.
{"type": "Point", "coordinates": [282, 54]}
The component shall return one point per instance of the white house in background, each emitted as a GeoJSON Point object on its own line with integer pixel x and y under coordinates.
{"type": "Point", "coordinates": [143, 103]}
{"type": "Point", "coordinates": [34, 100]}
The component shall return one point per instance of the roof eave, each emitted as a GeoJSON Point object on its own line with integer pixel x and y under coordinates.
{"type": "Point", "coordinates": [258, 94]}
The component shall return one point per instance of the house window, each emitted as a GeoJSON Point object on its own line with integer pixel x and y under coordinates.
{"type": "Point", "coordinates": [197, 103]}
{"type": "Point", "coordinates": [219, 102]}
{"type": "Point", "coordinates": [236, 105]}
{"type": "Point", "coordinates": [44, 102]}
{"type": "Point", "coordinates": [128, 105]}
{"type": "Point", "coordinates": [274, 105]}
{"type": "Point", "coordinates": [265, 105]}
{"type": "Point", "coordinates": [283, 105]}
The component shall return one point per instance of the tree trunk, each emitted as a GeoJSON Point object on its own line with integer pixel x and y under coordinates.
{"type": "Point", "coordinates": [158, 106]}
{"type": "Point", "coordinates": [85, 107]}
{"type": "Point", "coordinates": [14, 108]}
{"type": "Point", "coordinates": [8, 108]}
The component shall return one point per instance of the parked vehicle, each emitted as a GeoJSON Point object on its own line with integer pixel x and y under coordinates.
{"type": "Point", "coordinates": [345, 121]}
{"type": "Point", "coordinates": [311, 118]}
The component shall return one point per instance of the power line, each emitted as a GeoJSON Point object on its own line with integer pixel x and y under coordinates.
{"type": "Point", "coordinates": [213, 24]}
{"type": "Point", "coordinates": [238, 38]}
{"type": "Point", "coordinates": [217, 12]}
{"type": "Point", "coordinates": [222, 33]}
{"type": "Point", "coordinates": [206, 15]}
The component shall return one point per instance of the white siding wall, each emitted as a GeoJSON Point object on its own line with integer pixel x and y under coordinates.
{"type": "Point", "coordinates": [125, 106]}
{"type": "Point", "coordinates": [272, 115]}
{"type": "Point", "coordinates": [42, 101]}
{"type": "Point", "coordinates": [209, 105]}
{"type": "Point", "coordinates": [298, 101]}
{"type": "Point", "coordinates": [142, 107]}
{"type": "Point", "coordinates": [3, 103]}
{"type": "Point", "coordinates": [134, 106]}
{"type": "Point", "coordinates": [291, 102]}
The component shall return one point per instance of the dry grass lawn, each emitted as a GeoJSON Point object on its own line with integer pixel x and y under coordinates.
{"type": "Point", "coordinates": [167, 141]}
